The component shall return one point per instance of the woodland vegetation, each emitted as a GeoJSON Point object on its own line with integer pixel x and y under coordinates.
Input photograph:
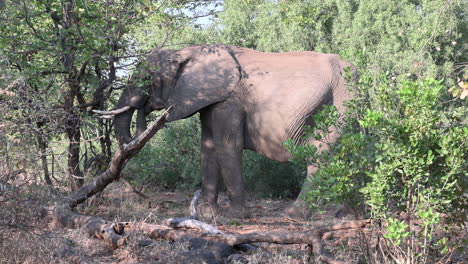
{"type": "Point", "coordinates": [400, 163]}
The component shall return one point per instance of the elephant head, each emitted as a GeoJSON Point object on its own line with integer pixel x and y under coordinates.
{"type": "Point", "coordinates": [190, 79]}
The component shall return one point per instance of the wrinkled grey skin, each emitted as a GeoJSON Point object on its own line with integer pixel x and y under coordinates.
{"type": "Point", "coordinates": [246, 100]}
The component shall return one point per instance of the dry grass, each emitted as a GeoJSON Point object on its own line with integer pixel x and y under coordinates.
{"type": "Point", "coordinates": [29, 240]}
{"type": "Point", "coordinates": [25, 238]}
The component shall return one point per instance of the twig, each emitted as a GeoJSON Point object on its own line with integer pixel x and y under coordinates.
{"type": "Point", "coordinates": [139, 193]}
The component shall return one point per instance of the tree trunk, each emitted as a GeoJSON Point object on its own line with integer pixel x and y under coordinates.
{"type": "Point", "coordinates": [74, 137]}
{"type": "Point", "coordinates": [105, 139]}
{"type": "Point", "coordinates": [43, 152]}
{"type": "Point", "coordinates": [73, 119]}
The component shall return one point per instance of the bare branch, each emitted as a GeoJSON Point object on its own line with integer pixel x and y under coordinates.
{"type": "Point", "coordinates": [121, 156]}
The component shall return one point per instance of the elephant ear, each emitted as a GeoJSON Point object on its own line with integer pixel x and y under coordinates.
{"type": "Point", "coordinates": [196, 77]}
{"type": "Point", "coordinates": [163, 64]}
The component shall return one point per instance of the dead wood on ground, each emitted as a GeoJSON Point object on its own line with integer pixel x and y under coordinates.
{"type": "Point", "coordinates": [112, 233]}
{"type": "Point", "coordinates": [313, 238]}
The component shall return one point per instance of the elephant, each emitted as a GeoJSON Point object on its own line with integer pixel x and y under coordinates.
{"type": "Point", "coordinates": [247, 99]}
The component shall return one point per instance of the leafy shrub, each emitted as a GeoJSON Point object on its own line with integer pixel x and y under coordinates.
{"type": "Point", "coordinates": [405, 155]}
{"type": "Point", "coordinates": [171, 158]}
{"type": "Point", "coordinates": [269, 178]}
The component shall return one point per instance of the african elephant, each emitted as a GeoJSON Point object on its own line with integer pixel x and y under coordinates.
{"type": "Point", "coordinates": [246, 99]}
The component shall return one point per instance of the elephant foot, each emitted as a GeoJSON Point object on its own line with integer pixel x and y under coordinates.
{"type": "Point", "coordinates": [208, 211]}
{"type": "Point", "coordinates": [236, 212]}
{"type": "Point", "coordinates": [298, 211]}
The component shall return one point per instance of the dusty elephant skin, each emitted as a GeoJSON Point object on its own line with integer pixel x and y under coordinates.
{"type": "Point", "coordinates": [246, 100]}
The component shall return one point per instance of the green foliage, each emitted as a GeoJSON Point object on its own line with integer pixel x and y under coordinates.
{"type": "Point", "coordinates": [412, 150]}
{"type": "Point", "coordinates": [63, 59]}
{"type": "Point", "coordinates": [276, 26]}
{"type": "Point", "coordinates": [396, 231]}
{"type": "Point", "coordinates": [402, 149]}
{"type": "Point", "coordinates": [407, 158]}
{"type": "Point", "coordinates": [171, 159]}
{"type": "Point", "coordinates": [405, 38]}
{"type": "Point", "coordinates": [268, 178]}
{"type": "Point", "coordinates": [178, 27]}
{"type": "Point", "coordinates": [71, 57]}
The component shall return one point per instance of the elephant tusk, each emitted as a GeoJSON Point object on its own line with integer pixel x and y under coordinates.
{"type": "Point", "coordinates": [107, 116]}
{"type": "Point", "coordinates": [112, 112]}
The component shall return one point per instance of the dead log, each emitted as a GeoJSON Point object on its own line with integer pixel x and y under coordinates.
{"type": "Point", "coordinates": [186, 223]}
{"type": "Point", "coordinates": [114, 233]}
{"type": "Point", "coordinates": [313, 238]}
{"type": "Point", "coordinates": [63, 217]}
{"type": "Point", "coordinates": [180, 222]}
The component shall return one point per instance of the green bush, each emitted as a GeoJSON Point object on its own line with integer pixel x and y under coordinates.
{"type": "Point", "coordinates": [268, 178]}
{"type": "Point", "coordinates": [405, 156]}
{"type": "Point", "coordinates": [171, 158]}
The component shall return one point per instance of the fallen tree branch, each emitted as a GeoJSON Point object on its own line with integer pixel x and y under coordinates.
{"type": "Point", "coordinates": [180, 222]}
{"type": "Point", "coordinates": [94, 226]}
{"type": "Point", "coordinates": [186, 223]}
{"type": "Point", "coordinates": [235, 239]}
{"type": "Point", "coordinates": [113, 233]}
{"type": "Point", "coordinates": [121, 156]}
{"type": "Point", "coordinates": [312, 238]}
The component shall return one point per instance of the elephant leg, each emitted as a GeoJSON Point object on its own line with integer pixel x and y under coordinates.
{"type": "Point", "coordinates": [230, 161]}
{"type": "Point", "coordinates": [300, 209]}
{"type": "Point", "coordinates": [225, 124]}
{"type": "Point", "coordinates": [209, 171]}
{"type": "Point", "coordinates": [209, 164]}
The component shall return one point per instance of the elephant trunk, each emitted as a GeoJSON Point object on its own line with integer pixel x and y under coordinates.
{"type": "Point", "coordinates": [123, 120]}
{"type": "Point", "coordinates": [141, 122]}
{"type": "Point", "coordinates": [122, 125]}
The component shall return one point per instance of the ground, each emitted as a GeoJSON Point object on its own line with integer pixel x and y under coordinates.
{"type": "Point", "coordinates": [27, 239]}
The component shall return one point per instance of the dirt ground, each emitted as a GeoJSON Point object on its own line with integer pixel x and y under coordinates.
{"type": "Point", "coordinates": [30, 240]}
{"type": "Point", "coordinates": [120, 203]}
